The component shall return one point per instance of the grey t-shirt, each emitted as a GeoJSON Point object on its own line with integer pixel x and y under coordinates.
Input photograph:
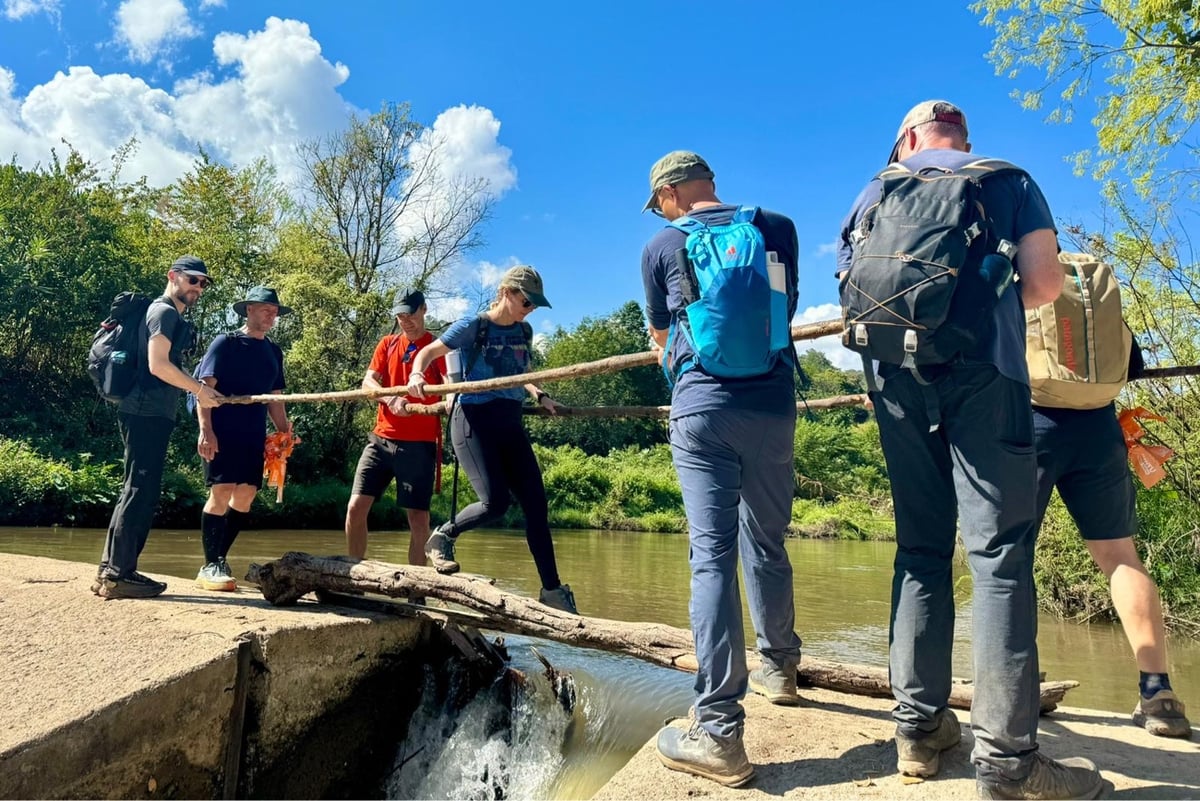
{"type": "Point", "coordinates": [1016, 207]}
{"type": "Point", "coordinates": [696, 391]}
{"type": "Point", "coordinates": [150, 396]}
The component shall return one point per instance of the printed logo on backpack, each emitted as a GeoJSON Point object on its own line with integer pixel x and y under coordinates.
{"type": "Point", "coordinates": [927, 270]}
{"type": "Point", "coordinates": [735, 301]}
{"type": "Point", "coordinates": [1078, 348]}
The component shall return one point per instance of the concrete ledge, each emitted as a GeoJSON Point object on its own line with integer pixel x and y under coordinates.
{"type": "Point", "coordinates": [842, 746]}
{"type": "Point", "coordinates": [133, 698]}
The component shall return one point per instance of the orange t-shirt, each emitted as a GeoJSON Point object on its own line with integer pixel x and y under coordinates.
{"type": "Point", "coordinates": [393, 361]}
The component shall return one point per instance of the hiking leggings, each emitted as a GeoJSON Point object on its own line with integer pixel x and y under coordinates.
{"type": "Point", "coordinates": [491, 445]}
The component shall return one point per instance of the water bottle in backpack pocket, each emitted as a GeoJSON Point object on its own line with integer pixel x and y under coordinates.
{"type": "Point", "coordinates": [735, 301]}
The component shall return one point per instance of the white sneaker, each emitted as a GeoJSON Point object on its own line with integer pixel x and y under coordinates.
{"type": "Point", "coordinates": [210, 578]}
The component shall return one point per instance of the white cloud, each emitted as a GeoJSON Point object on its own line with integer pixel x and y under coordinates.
{"type": "Point", "coordinates": [827, 249]}
{"type": "Point", "coordinates": [207, 4]}
{"type": "Point", "coordinates": [831, 345]}
{"type": "Point", "coordinates": [16, 9]}
{"type": "Point", "coordinates": [146, 27]}
{"type": "Point", "coordinates": [465, 142]}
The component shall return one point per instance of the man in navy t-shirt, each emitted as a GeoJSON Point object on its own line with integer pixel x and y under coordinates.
{"type": "Point", "coordinates": [232, 437]}
{"type": "Point", "coordinates": [731, 444]}
{"type": "Point", "coordinates": [958, 442]}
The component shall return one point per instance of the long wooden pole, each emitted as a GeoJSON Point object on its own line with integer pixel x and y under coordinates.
{"type": "Point", "coordinates": [611, 364]}
{"type": "Point", "coordinates": [655, 412]}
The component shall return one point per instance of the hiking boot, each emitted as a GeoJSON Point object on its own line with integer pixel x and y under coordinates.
{"type": "Point", "coordinates": [561, 598]}
{"type": "Point", "coordinates": [696, 751]}
{"type": "Point", "coordinates": [1162, 714]}
{"type": "Point", "coordinates": [440, 552]}
{"type": "Point", "coordinates": [111, 589]}
{"type": "Point", "coordinates": [920, 756]}
{"type": "Point", "coordinates": [211, 578]}
{"type": "Point", "coordinates": [777, 684]}
{"type": "Point", "coordinates": [1049, 778]}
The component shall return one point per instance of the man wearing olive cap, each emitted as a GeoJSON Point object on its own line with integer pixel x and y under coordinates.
{"type": "Point", "coordinates": [731, 444]}
{"type": "Point", "coordinates": [232, 437]}
{"type": "Point", "coordinates": [959, 445]}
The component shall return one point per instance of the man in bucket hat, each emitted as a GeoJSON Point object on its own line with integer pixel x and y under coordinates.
{"type": "Point", "coordinates": [242, 362]}
{"type": "Point", "coordinates": [147, 417]}
{"type": "Point", "coordinates": [402, 446]}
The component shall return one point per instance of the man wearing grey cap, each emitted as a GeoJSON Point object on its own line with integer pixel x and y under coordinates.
{"type": "Point", "coordinates": [147, 417]}
{"type": "Point", "coordinates": [731, 444]}
{"type": "Point", "coordinates": [403, 446]}
{"type": "Point", "coordinates": [958, 441]}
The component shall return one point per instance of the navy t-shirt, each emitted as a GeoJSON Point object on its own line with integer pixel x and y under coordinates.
{"type": "Point", "coordinates": [151, 396]}
{"type": "Point", "coordinates": [242, 365]}
{"type": "Point", "coordinates": [696, 391]}
{"type": "Point", "coordinates": [1016, 207]}
{"type": "Point", "coordinates": [505, 352]}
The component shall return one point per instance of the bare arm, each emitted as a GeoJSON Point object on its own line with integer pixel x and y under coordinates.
{"type": "Point", "coordinates": [1041, 274]}
{"type": "Point", "coordinates": [206, 444]}
{"type": "Point", "coordinates": [374, 380]}
{"type": "Point", "coordinates": [161, 367]}
{"type": "Point", "coordinates": [278, 413]}
{"type": "Point", "coordinates": [421, 362]}
{"type": "Point", "coordinates": [658, 341]}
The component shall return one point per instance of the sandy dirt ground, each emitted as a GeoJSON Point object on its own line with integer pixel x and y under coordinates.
{"type": "Point", "coordinates": [841, 747]}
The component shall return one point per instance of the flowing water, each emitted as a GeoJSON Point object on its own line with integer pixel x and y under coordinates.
{"type": "Point", "coordinates": [842, 591]}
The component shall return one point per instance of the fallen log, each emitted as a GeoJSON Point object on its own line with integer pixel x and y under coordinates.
{"type": "Point", "coordinates": [284, 581]}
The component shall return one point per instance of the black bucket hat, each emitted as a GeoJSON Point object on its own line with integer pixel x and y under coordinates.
{"type": "Point", "coordinates": [261, 294]}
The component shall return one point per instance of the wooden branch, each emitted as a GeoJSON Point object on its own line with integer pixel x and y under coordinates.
{"type": "Point", "coordinates": [1151, 373]}
{"type": "Point", "coordinates": [285, 580]}
{"type": "Point", "coordinates": [661, 412]}
{"type": "Point", "coordinates": [611, 364]}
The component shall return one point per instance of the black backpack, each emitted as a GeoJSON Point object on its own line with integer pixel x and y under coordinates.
{"type": "Point", "coordinates": [115, 355]}
{"type": "Point", "coordinates": [927, 269]}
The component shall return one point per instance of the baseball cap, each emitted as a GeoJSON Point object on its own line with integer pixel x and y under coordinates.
{"type": "Point", "coordinates": [676, 167]}
{"type": "Point", "coordinates": [526, 279]}
{"type": "Point", "coordinates": [192, 265]}
{"type": "Point", "coordinates": [928, 111]}
{"type": "Point", "coordinates": [408, 301]}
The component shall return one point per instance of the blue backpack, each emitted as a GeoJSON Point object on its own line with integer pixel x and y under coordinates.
{"type": "Point", "coordinates": [735, 301]}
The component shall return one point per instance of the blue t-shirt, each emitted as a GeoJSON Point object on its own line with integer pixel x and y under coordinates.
{"type": "Point", "coordinates": [696, 391]}
{"type": "Point", "coordinates": [1016, 207]}
{"type": "Point", "coordinates": [505, 352]}
{"type": "Point", "coordinates": [242, 365]}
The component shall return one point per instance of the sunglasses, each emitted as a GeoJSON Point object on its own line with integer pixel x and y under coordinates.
{"type": "Point", "coordinates": [525, 301]}
{"type": "Point", "coordinates": [193, 280]}
{"type": "Point", "coordinates": [408, 353]}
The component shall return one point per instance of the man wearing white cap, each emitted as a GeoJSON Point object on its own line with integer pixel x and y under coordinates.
{"type": "Point", "coordinates": [957, 437]}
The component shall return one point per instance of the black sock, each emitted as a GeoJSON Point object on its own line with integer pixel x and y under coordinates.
{"type": "Point", "coordinates": [232, 529]}
{"type": "Point", "coordinates": [212, 534]}
{"type": "Point", "coordinates": [1150, 683]}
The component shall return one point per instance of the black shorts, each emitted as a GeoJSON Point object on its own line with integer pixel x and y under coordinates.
{"type": "Point", "coordinates": [239, 460]}
{"type": "Point", "coordinates": [410, 463]}
{"type": "Point", "coordinates": [1083, 453]}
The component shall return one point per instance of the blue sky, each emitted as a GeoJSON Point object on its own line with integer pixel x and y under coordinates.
{"type": "Point", "coordinates": [562, 106]}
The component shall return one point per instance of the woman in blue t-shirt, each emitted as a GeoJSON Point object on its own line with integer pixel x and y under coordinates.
{"type": "Point", "coordinates": [487, 432]}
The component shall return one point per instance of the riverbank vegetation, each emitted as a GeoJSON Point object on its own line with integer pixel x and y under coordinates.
{"type": "Point", "coordinates": [73, 234]}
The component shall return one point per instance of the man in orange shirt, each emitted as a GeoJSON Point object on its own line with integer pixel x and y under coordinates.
{"type": "Point", "coordinates": [403, 445]}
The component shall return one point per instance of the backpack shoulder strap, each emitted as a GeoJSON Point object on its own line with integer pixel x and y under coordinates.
{"type": "Point", "coordinates": [686, 224]}
{"type": "Point", "coordinates": [986, 167]}
{"type": "Point", "coordinates": [527, 330]}
{"type": "Point", "coordinates": [745, 214]}
{"type": "Point", "coordinates": [481, 334]}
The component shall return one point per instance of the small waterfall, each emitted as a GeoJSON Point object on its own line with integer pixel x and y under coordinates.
{"type": "Point", "coordinates": [504, 743]}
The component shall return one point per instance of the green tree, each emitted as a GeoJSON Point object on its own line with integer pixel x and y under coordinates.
{"type": "Point", "coordinates": [623, 331]}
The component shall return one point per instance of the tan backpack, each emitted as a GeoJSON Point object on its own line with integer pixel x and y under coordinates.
{"type": "Point", "coordinates": [1078, 347]}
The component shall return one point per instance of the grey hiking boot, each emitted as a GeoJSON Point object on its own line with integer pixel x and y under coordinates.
{"type": "Point", "coordinates": [777, 684]}
{"type": "Point", "coordinates": [1049, 778]}
{"type": "Point", "coordinates": [694, 750]}
{"type": "Point", "coordinates": [1163, 715]}
{"type": "Point", "coordinates": [920, 756]}
{"type": "Point", "coordinates": [134, 585]}
{"type": "Point", "coordinates": [561, 598]}
{"type": "Point", "coordinates": [440, 551]}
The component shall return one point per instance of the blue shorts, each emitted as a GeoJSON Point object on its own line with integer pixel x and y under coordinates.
{"type": "Point", "coordinates": [1083, 454]}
